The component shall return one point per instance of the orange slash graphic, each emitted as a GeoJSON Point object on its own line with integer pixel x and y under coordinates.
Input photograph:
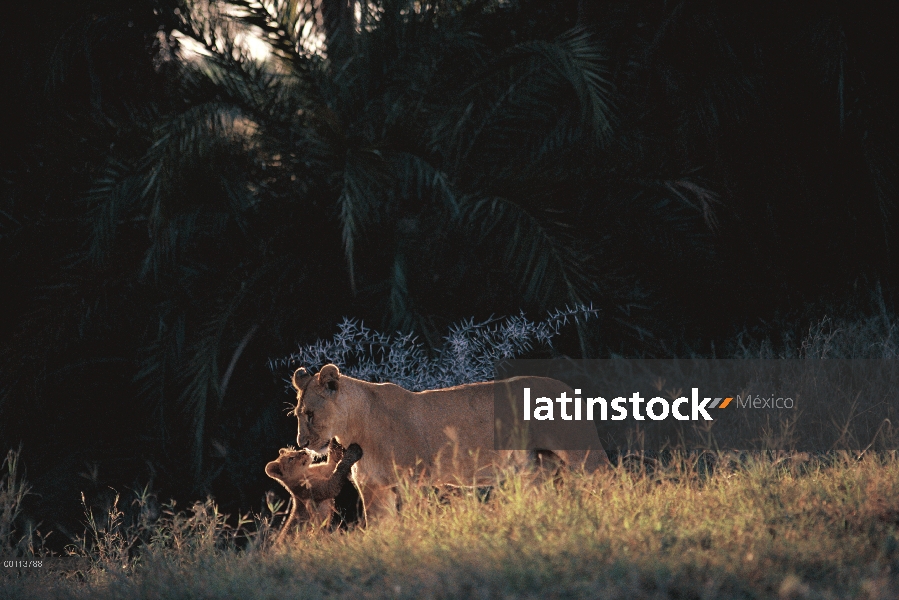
{"type": "Point", "coordinates": [725, 403]}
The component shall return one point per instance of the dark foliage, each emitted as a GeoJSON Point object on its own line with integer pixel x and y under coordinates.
{"type": "Point", "coordinates": [170, 220]}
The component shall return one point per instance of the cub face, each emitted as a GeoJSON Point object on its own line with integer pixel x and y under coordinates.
{"type": "Point", "coordinates": [319, 411]}
{"type": "Point", "coordinates": [291, 467]}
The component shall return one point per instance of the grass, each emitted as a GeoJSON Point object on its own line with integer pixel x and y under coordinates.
{"type": "Point", "coordinates": [821, 527]}
{"type": "Point", "coordinates": [710, 526]}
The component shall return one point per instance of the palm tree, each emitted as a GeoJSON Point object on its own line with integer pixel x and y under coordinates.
{"type": "Point", "coordinates": [415, 163]}
{"type": "Point", "coordinates": [406, 157]}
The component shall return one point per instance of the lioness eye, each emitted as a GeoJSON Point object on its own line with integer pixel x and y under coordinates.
{"type": "Point", "coordinates": [311, 416]}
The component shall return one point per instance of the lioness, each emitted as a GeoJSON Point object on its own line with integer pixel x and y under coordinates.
{"type": "Point", "coordinates": [312, 487]}
{"type": "Point", "coordinates": [445, 435]}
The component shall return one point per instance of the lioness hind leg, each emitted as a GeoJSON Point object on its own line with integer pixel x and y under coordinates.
{"type": "Point", "coordinates": [446, 493]}
{"type": "Point", "coordinates": [553, 463]}
{"type": "Point", "coordinates": [548, 465]}
{"type": "Point", "coordinates": [590, 460]}
{"type": "Point", "coordinates": [547, 460]}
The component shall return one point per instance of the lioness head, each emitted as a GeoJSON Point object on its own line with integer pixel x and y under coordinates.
{"type": "Point", "coordinates": [319, 414]}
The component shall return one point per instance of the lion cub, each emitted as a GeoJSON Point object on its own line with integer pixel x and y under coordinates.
{"type": "Point", "coordinates": [312, 487]}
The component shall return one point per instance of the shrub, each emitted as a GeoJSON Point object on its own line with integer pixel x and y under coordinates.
{"type": "Point", "coordinates": [468, 354]}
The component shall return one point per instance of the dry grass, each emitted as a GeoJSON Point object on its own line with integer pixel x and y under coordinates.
{"type": "Point", "coordinates": [818, 528]}
{"type": "Point", "coordinates": [751, 527]}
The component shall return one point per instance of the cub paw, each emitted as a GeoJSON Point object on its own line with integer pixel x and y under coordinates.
{"type": "Point", "coordinates": [353, 453]}
{"type": "Point", "coordinates": [335, 450]}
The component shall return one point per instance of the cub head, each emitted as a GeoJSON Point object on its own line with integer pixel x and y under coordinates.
{"type": "Point", "coordinates": [291, 467]}
{"type": "Point", "coordinates": [319, 409]}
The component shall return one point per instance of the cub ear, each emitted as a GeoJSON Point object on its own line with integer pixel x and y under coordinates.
{"type": "Point", "coordinates": [328, 377]}
{"type": "Point", "coordinates": [273, 470]}
{"type": "Point", "coordinates": [300, 377]}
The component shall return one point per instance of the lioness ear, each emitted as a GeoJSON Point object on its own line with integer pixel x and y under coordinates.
{"type": "Point", "coordinates": [328, 376]}
{"type": "Point", "coordinates": [300, 376]}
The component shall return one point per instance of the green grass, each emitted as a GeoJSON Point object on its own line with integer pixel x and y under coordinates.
{"type": "Point", "coordinates": [816, 528]}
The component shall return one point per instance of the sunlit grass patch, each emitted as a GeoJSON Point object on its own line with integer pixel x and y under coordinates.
{"type": "Point", "coordinates": [755, 527]}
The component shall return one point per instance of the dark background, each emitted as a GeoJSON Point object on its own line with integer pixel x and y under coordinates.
{"type": "Point", "coordinates": [696, 170]}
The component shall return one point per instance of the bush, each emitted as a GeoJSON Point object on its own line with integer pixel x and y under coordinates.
{"type": "Point", "coordinates": [468, 354]}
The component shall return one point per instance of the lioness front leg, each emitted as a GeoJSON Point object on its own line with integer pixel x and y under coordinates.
{"type": "Point", "coordinates": [379, 500]}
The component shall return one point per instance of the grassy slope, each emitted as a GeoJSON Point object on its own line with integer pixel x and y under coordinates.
{"type": "Point", "coordinates": [820, 529]}
{"type": "Point", "coordinates": [825, 528]}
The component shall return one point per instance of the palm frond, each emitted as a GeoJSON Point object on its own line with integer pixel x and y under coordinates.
{"type": "Point", "coordinates": [200, 380]}
{"type": "Point", "coordinates": [399, 294]}
{"type": "Point", "coordinates": [112, 197]}
{"type": "Point", "coordinates": [543, 261]}
{"type": "Point", "coordinates": [417, 178]}
{"type": "Point", "coordinates": [288, 26]}
{"type": "Point", "coordinates": [578, 60]}
{"type": "Point", "coordinates": [363, 175]}
{"type": "Point", "coordinates": [704, 197]}
{"type": "Point", "coordinates": [884, 175]}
